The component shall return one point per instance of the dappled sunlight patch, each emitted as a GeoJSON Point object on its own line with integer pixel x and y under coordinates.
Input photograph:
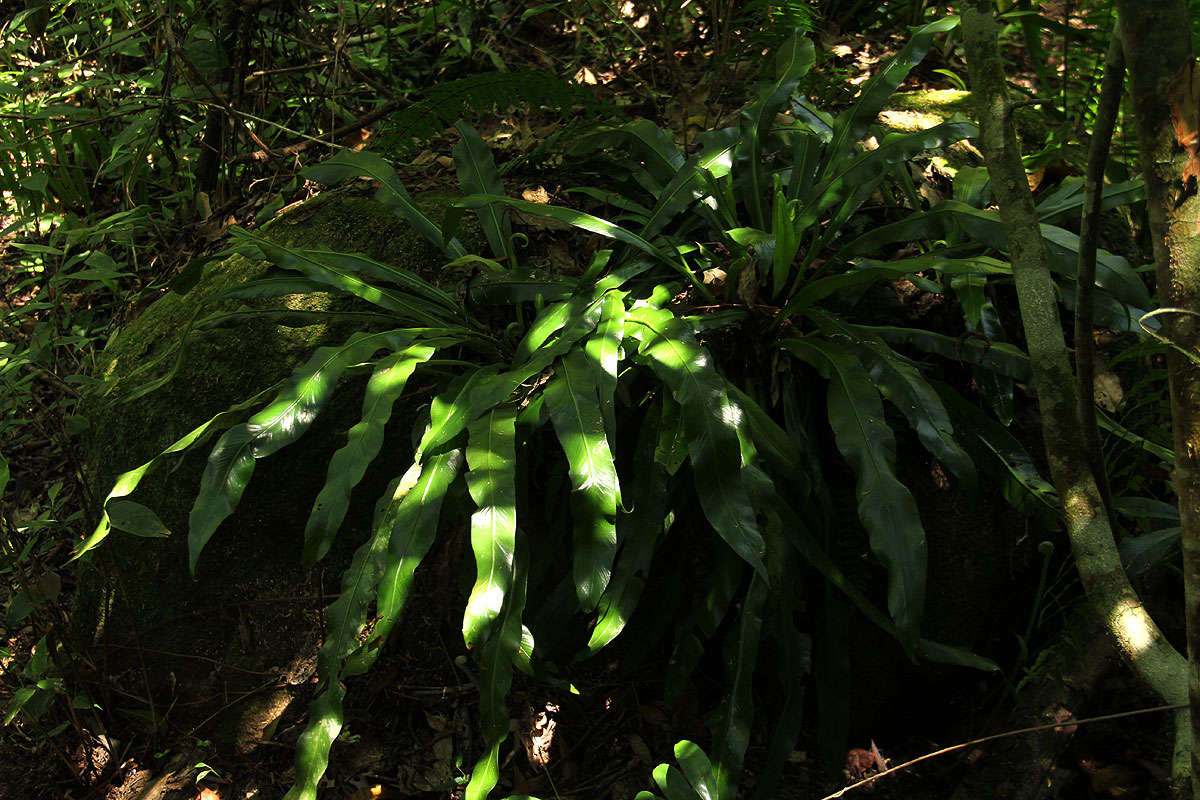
{"type": "Point", "coordinates": [1129, 620]}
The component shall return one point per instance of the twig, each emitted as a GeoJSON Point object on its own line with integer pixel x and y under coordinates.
{"type": "Point", "coordinates": [995, 736]}
{"type": "Point", "coordinates": [329, 140]}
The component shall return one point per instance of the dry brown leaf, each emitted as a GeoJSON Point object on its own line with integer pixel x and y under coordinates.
{"type": "Point", "coordinates": [356, 140]}
{"type": "Point", "coordinates": [538, 738]}
{"type": "Point", "coordinates": [1064, 715]}
{"type": "Point", "coordinates": [1183, 93]}
{"type": "Point", "coordinates": [538, 195]}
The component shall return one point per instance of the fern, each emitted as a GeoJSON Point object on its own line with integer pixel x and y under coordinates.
{"type": "Point", "coordinates": [444, 103]}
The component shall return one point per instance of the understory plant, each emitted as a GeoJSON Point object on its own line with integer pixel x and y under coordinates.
{"type": "Point", "coordinates": [602, 389]}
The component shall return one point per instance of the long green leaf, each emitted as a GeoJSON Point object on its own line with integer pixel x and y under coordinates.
{"type": "Point", "coordinates": [127, 482]}
{"type": "Point", "coordinates": [1065, 203]}
{"type": "Point", "coordinates": [711, 420]}
{"type": "Point", "coordinates": [343, 272]}
{"type": "Point", "coordinates": [902, 384]}
{"type": "Point", "coordinates": [477, 174]}
{"type": "Point", "coordinates": [1001, 357]}
{"type": "Point", "coordinates": [491, 480]}
{"type": "Point", "coordinates": [413, 524]}
{"type": "Point", "coordinates": [496, 661]}
{"type": "Point", "coordinates": [363, 163]}
{"type": "Point", "coordinates": [731, 732]}
{"type": "Point", "coordinates": [350, 462]}
{"type": "Point", "coordinates": [604, 349]}
{"type": "Point", "coordinates": [302, 398]}
{"type": "Point", "coordinates": [489, 387]}
{"type": "Point", "coordinates": [639, 528]}
{"type": "Point", "coordinates": [792, 62]}
{"type": "Point", "coordinates": [647, 141]}
{"type": "Point", "coordinates": [953, 218]}
{"type": "Point", "coordinates": [312, 749]}
{"type": "Point", "coordinates": [573, 402]}
{"type": "Point", "coordinates": [767, 497]}
{"type": "Point", "coordinates": [697, 769]}
{"type": "Point", "coordinates": [684, 187]}
{"type": "Point", "coordinates": [590, 223]}
{"type": "Point", "coordinates": [771, 442]}
{"type": "Point", "coordinates": [885, 506]}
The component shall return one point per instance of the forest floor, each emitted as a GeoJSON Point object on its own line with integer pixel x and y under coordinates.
{"type": "Point", "coordinates": [590, 739]}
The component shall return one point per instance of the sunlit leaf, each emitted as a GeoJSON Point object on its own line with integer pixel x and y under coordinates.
{"type": "Point", "coordinates": [639, 528]}
{"type": "Point", "coordinates": [491, 480]}
{"type": "Point", "coordinates": [350, 462]}
{"type": "Point", "coordinates": [496, 659]}
{"type": "Point", "coordinates": [711, 421]}
{"type": "Point", "coordinates": [573, 401]}
{"type": "Point", "coordinates": [302, 398]}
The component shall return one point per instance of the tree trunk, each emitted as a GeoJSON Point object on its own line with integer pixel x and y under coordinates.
{"type": "Point", "coordinates": [1092, 543]}
{"type": "Point", "coordinates": [212, 146]}
{"type": "Point", "coordinates": [1165, 89]}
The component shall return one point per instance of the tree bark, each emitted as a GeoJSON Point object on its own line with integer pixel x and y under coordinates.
{"type": "Point", "coordinates": [1085, 280]}
{"type": "Point", "coordinates": [1165, 89]}
{"type": "Point", "coordinates": [1092, 542]}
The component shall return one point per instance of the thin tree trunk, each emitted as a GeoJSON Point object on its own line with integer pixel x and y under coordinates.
{"type": "Point", "coordinates": [1095, 551]}
{"type": "Point", "coordinates": [1165, 89]}
{"type": "Point", "coordinates": [212, 146]}
{"type": "Point", "coordinates": [1085, 283]}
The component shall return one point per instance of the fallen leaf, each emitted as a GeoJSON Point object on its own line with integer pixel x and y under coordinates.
{"type": "Point", "coordinates": [424, 159]}
{"type": "Point", "coordinates": [538, 195]}
{"type": "Point", "coordinates": [1183, 93]}
{"type": "Point", "coordinates": [1063, 715]}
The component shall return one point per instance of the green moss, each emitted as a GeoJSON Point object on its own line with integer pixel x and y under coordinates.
{"type": "Point", "coordinates": [940, 104]}
{"type": "Point", "coordinates": [911, 111]}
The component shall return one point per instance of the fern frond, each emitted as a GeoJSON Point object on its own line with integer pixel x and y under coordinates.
{"type": "Point", "coordinates": [445, 103]}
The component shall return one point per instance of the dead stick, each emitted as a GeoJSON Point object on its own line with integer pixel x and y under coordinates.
{"type": "Point", "coordinates": [994, 736]}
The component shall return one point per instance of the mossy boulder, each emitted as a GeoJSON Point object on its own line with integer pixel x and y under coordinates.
{"type": "Point", "coordinates": [250, 618]}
